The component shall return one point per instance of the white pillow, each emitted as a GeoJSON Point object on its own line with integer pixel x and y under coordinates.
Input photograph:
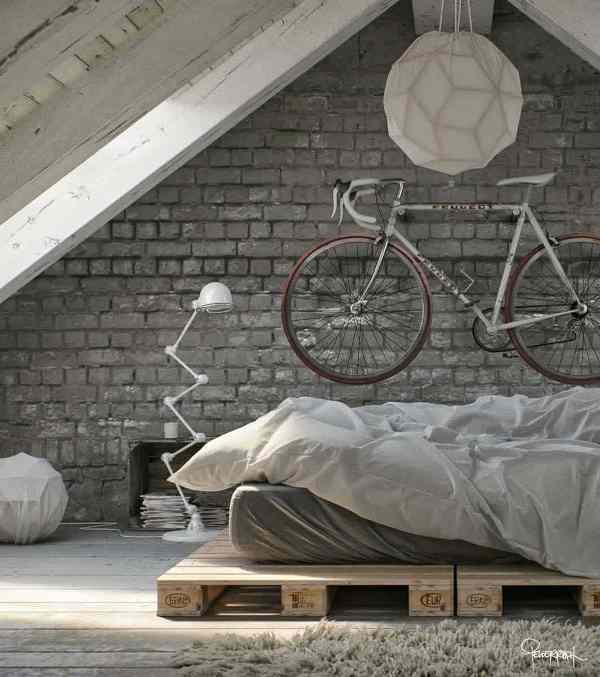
{"type": "Point", "coordinates": [250, 453]}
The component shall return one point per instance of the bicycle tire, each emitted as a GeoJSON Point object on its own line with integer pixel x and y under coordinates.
{"type": "Point", "coordinates": [320, 366]}
{"type": "Point", "coordinates": [533, 342]}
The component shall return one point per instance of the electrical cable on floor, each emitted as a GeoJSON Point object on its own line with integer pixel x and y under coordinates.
{"type": "Point", "coordinates": [109, 526]}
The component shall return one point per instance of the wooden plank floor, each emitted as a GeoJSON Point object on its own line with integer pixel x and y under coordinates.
{"type": "Point", "coordinates": [84, 605]}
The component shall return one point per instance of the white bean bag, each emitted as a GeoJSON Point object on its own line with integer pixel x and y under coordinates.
{"type": "Point", "coordinates": [33, 499]}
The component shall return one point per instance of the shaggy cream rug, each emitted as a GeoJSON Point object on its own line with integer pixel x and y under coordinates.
{"type": "Point", "coordinates": [447, 649]}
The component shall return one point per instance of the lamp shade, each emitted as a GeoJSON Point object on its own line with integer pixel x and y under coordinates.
{"type": "Point", "coordinates": [215, 297]}
{"type": "Point", "coordinates": [453, 101]}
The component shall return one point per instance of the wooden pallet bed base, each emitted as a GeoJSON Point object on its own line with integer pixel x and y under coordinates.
{"type": "Point", "coordinates": [192, 586]}
{"type": "Point", "coordinates": [479, 588]}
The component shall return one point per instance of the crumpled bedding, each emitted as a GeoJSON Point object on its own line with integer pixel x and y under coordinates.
{"type": "Point", "coordinates": [514, 473]}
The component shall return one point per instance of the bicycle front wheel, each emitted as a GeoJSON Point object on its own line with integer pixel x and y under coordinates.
{"type": "Point", "coordinates": [564, 348]}
{"type": "Point", "coordinates": [342, 338]}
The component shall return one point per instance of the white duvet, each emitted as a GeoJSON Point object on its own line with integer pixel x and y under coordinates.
{"type": "Point", "coordinates": [514, 473]}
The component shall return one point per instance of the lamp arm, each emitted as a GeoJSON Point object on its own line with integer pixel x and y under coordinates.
{"type": "Point", "coordinates": [200, 378]}
{"type": "Point", "coordinates": [170, 403]}
{"type": "Point", "coordinates": [185, 330]}
{"type": "Point", "coordinates": [166, 458]}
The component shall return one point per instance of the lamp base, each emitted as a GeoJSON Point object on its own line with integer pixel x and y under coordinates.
{"type": "Point", "coordinates": [190, 535]}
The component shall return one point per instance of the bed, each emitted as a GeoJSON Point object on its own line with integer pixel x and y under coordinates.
{"type": "Point", "coordinates": [284, 524]}
{"type": "Point", "coordinates": [415, 481]}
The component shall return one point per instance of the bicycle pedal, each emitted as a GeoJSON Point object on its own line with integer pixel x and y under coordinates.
{"type": "Point", "coordinates": [510, 355]}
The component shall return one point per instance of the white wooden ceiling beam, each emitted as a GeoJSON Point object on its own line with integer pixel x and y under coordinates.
{"type": "Point", "coordinates": [576, 23]}
{"type": "Point", "coordinates": [38, 34]}
{"type": "Point", "coordinates": [47, 141]}
{"type": "Point", "coordinates": [427, 15]}
{"type": "Point", "coordinates": [172, 133]}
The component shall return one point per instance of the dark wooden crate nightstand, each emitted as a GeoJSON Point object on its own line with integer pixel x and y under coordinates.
{"type": "Point", "coordinates": [148, 474]}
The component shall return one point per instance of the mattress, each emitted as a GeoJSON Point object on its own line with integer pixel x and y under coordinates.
{"type": "Point", "coordinates": [283, 523]}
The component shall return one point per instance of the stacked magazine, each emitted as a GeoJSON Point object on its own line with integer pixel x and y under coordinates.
{"type": "Point", "coordinates": [166, 511]}
{"type": "Point", "coordinates": [163, 511]}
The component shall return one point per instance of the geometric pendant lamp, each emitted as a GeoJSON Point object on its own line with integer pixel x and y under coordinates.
{"type": "Point", "coordinates": [453, 100]}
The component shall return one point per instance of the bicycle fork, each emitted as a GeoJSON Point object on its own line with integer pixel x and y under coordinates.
{"type": "Point", "coordinates": [356, 307]}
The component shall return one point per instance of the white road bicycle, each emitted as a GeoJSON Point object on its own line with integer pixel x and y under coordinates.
{"type": "Point", "coordinates": [357, 308]}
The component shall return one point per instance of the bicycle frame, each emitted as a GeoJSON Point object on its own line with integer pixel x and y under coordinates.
{"type": "Point", "coordinates": [524, 212]}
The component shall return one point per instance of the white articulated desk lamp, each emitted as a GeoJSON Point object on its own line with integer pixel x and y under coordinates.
{"type": "Point", "coordinates": [214, 298]}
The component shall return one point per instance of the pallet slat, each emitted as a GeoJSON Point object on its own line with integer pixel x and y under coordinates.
{"type": "Point", "coordinates": [191, 587]}
{"type": "Point", "coordinates": [479, 588]}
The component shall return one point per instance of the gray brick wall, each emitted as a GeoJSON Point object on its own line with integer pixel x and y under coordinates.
{"type": "Point", "coordinates": [82, 370]}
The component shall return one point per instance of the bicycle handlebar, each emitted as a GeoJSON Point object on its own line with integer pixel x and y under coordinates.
{"type": "Point", "coordinates": [351, 191]}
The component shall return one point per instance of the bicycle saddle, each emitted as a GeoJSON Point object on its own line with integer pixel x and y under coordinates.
{"type": "Point", "coordinates": [536, 180]}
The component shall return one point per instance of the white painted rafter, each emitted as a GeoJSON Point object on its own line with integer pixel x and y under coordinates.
{"type": "Point", "coordinates": [169, 46]}
{"type": "Point", "coordinates": [576, 23]}
{"type": "Point", "coordinates": [69, 62]}
{"type": "Point", "coordinates": [172, 133]}
{"type": "Point", "coordinates": [38, 34]}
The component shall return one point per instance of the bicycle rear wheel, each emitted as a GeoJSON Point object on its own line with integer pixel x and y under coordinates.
{"type": "Point", "coordinates": [370, 341]}
{"type": "Point", "coordinates": [565, 348]}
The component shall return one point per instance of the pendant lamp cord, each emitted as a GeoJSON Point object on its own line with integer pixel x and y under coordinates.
{"type": "Point", "coordinates": [457, 15]}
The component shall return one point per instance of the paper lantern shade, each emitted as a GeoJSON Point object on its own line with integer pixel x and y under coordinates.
{"type": "Point", "coordinates": [453, 101]}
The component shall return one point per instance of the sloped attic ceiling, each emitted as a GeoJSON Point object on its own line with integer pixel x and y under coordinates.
{"type": "Point", "coordinates": [118, 153]}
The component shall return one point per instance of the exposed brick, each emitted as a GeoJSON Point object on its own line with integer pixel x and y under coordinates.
{"type": "Point", "coordinates": [296, 177]}
{"type": "Point", "coordinates": [243, 139]}
{"type": "Point", "coordinates": [88, 321]}
{"type": "Point", "coordinates": [587, 140]}
{"type": "Point", "coordinates": [219, 157]}
{"type": "Point", "coordinates": [240, 213]}
{"type": "Point", "coordinates": [285, 212]}
{"type": "Point", "coordinates": [332, 140]}
{"type": "Point", "coordinates": [180, 177]}
{"type": "Point", "coordinates": [142, 212]}
{"type": "Point", "coordinates": [214, 248]}
{"type": "Point", "coordinates": [168, 194]}
{"type": "Point", "coordinates": [193, 213]}
{"type": "Point", "coordinates": [146, 231]}
{"type": "Point", "coordinates": [269, 176]}
{"type": "Point", "coordinates": [218, 176]}
{"type": "Point", "coordinates": [289, 140]}
{"type": "Point", "coordinates": [547, 139]}
{"type": "Point", "coordinates": [123, 230]}
{"type": "Point", "coordinates": [169, 249]}
{"type": "Point", "coordinates": [122, 320]}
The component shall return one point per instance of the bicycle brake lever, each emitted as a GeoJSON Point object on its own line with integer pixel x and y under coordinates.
{"type": "Point", "coordinates": [338, 202]}
{"type": "Point", "coordinates": [336, 197]}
